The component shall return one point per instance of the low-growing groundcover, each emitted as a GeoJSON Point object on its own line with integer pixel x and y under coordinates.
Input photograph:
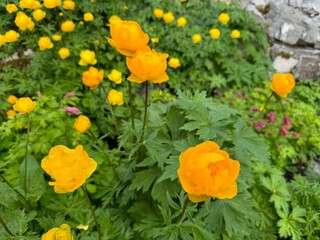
{"type": "Point", "coordinates": [109, 129]}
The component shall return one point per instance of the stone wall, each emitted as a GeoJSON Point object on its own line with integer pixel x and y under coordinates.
{"type": "Point", "coordinates": [293, 27]}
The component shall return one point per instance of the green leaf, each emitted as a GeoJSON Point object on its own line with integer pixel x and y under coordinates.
{"type": "Point", "coordinates": [144, 179]}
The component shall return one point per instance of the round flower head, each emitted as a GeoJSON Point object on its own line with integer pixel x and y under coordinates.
{"type": "Point", "coordinates": [196, 38]}
{"type": "Point", "coordinates": [115, 97]}
{"type": "Point", "coordinates": [12, 99]}
{"type": "Point", "coordinates": [68, 5]}
{"type": "Point", "coordinates": [282, 83]}
{"type": "Point", "coordinates": [45, 43]}
{"type": "Point", "coordinates": [181, 22]}
{"type": "Point", "coordinates": [148, 65]}
{"type": "Point", "coordinates": [88, 17]}
{"type": "Point", "coordinates": [87, 57]}
{"type": "Point", "coordinates": [92, 78]}
{"type": "Point", "coordinates": [11, 36]}
{"type": "Point", "coordinates": [174, 62]}
{"type": "Point", "coordinates": [206, 171]}
{"type": "Point", "coordinates": [235, 33]}
{"type": "Point", "coordinates": [61, 233]}
{"type": "Point", "coordinates": [115, 76]}
{"type": "Point", "coordinates": [51, 3]}
{"type": "Point", "coordinates": [11, 113]}
{"type": "Point", "coordinates": [67, 26]}
{"type": "Point", "coordinates": [113, 19]}
{"type": "Point", "coordinates": [121, 31]}
{"type": "Point", "coordinates": [2, 40]}
{"type": "Point", "coordinates": [27, 3]}
{"type": "Point", "coordinates": [158, 13]}
{"type": "Point", "coordinates": [168, 17]}
{"type": "Point", "coordinates": [70, 168]}
{"type": "Point", "coordinates": [224, 18]}
{"type": "Point", "coordinates": [11, 8]}
{"type": "Point", "coordinates": [38, 14]}
{"type": "Point", "coordinates": [64, 53]}
{"type": "Point", "coordinates": [56, 37]}
{"type": "Point", "coordinates": [82, 124]}
{"type": "Point", "coordinates": [214, 33]}
{"type": "Point", "coordinates": [23, 22]}
{"type": "Point", "coordinates": [24, 105]}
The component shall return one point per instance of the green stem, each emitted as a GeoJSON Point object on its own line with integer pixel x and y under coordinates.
{"type": "Point", "coordinates": [26, 203]}
{"type": "Point", "coordinates": [131, 106]}
{"type": "Point", "coordinates": [6, 227]}
{"type": "Point", "coordinates": [101, 150]}
{"type": "Point", "coordinates": [183, 210]}
{"type": "Point", "coordinates": [145, 110]}
{"type": "Point", "coordinates": [92, 211]}
{"type": "Point", "coordinates": [264, 106]}
{"type": "Point", "coordinates": [111, 110]}
{"type": "Point", "coordinates": [26, 160]}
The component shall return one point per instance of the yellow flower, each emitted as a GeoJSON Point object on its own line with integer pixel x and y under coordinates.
{"type": "Point", "coordinates": [45, 43]}
{"type": "Point", "coordinates": [2, 40]}
{"type": "Point", "coordinates": [56, 37]}
{"type": "Point", "coordinates": [24, 105]}
{"type": "Point", "coordinates": [70, 168]}
{"type": "Point", "coordinates": [206, 171]}
{"type": "Point", "coordinates": [68, 5]}
{"type": "Point", "coordinates": [282, 83]}
{"type": "Point", "coordinates": [23, 22]}
{"type": "Point", "coordinates": [121, 31]}
{"type": "Point", "coordinates": [196, 38]}
{"type": "Point", "coordinates": [64, 53]}
{"type": "Point", "coordinates": [181, 22]}
{"type": "Point", "coordinates": [82, 124]}
{"type": "Point", "coordinates": [12, 99]}
{"type": "Point", "coordinates": [183, 1]}
{"type": "Point", "coordinates": [11, 8]}
{"type": "Point", "coordinates": [37, 5]}
{"type": "Point", "coordinates": [224, 18]}
{"type": "Point", "coordinates": [61, 233]}
{"type": "Point", "coordinates": [115, 97]}
{"type": "Point", "coordinates": [87, 57]}
{"type": "Point", "coordinates": [148, 65]}
{"type": "Point", "coordinates": [174, 62]}
{"type": "Point", "coordinates": [11, 113]}
{"type": "Point", "coordinates": [214, 33]}
{"type": "Point", "coordinates": [11, 36]}
{"type": "Point", "coordinates": [88, 17]}
{"type": "Point", "coordinates": [38, 14]}
{"type": "Point", "coordinates": [51, 3]}
{"type": "Point", "coordinates": [114, 18]}
{"type": "Point", "coordinates": [115, 76]}
{"type": "Point", "coordinates": [60, 14]}
{"type": "Point", "coordinates": [168, 17]}
{"type": "Point", "coordinates": [235, 33]}
{"type": "Point", "coordinates": [158, 13]}
{"type": "Point", "coordinates": [27, 3]}
{"type": "Point", "coordinates": [92, 78]}
{"type": "Point", "coordinates": [67, 26]}
{"type": "Point", "coordinates": [155, 40]}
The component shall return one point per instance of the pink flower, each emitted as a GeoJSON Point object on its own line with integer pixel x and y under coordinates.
{"type": "Point", "coordinates": [240, 95]}
{"type": "Point", "coordinates": [69, 94]}
{"type": "Point", "coordinates": [271, 117]}
{"type": "Point", "coordinates": [259, 125]}
{"type": "Point", "coordinates": [255, 109]}
{"type": "Point", "coordinates": [295, 134]}
{"type": "Point", "coordinates": [286, 121]}
{"type": "Point", "coordinates": [217, 91]}
{"type": "Point", "coordinates": [72, 110]}
{"type": "Point", "coordinates": [283, 131]}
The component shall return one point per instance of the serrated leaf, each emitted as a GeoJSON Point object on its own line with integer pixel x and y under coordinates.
{"type": "Point", "coordinates": [144, 179]}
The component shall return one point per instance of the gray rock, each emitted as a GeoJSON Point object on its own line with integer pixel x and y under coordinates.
{"type": "Point", "coordinates": [260, 3]}
{"type": "Point", "coordinates": [311, 7]}
{"type": "Point", "coordinates": [284, 65]}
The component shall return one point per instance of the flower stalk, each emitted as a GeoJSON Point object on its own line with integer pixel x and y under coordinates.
{"type": "Point", "coordinates": [184, 208]}
{"type": "Point", "coordinates": [92, 211]}
{"type": "Point", "coordinates": [26, 160]}
{"type": "Point", "coordinates": [145, 110]}
{"type": "Point", "coordinates": [4, 225]}
{"type": "Point", "coordinates": [268, 100]}
{"type": "Point", "coordinates": [131, 105]}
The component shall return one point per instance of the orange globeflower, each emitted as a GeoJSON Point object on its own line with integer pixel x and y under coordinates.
{"type": "Point", "coordinates": [12, 99]}
{"type": "Point", "coordinates": [11, 8]}
{"type": "Point", "coordinates": [67, 26]}
{"type": "Point", "coordinates": [38, 14]}
{"type": "Point", "coordinates": [224, 18]}
{"type": "Point", "coordinates": [115, 97]}
{"type": "Point", "coordinates": [87, 57]}
{"type": "Point", "coordinates": [82, 124]}
{"type": "Point", "coordinates": [11, 36]}
{"type": "Point", "coordinates": [70, 168]}
{"type": "Point", "coordinates": [127, 37]}
{"type": "Point", "coordinates": [282, 83]}
{"type": "Point", "coordinates": [63, 233]}
{"type": "Point", "coordinates": [24, 105]}
{"type": "Point", "coordinates": [148, 65]}
{"type": "Point", "coordinates": [68, 5]}
{"type": "Point", "coordinates": [206, 171]}
{"type": "Point", "coordinates": [23, 22]}
{"type": "Point", "coordinates": [27, 3]}
{"type": "Point", "coordinates": [51, 3]}
{"type": "Point", "coordinates": [44, 43]}
{"type": "Point", "coordinates": [158, 13]}
{"type": "Point", "coordinates": [92, 78]}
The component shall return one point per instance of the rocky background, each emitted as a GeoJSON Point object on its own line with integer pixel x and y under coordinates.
{"type": "Point", "coordinates": [293, 27]}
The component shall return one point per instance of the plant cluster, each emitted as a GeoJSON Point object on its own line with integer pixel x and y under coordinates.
{"type": "Point", "coordinates": [106, 132]}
